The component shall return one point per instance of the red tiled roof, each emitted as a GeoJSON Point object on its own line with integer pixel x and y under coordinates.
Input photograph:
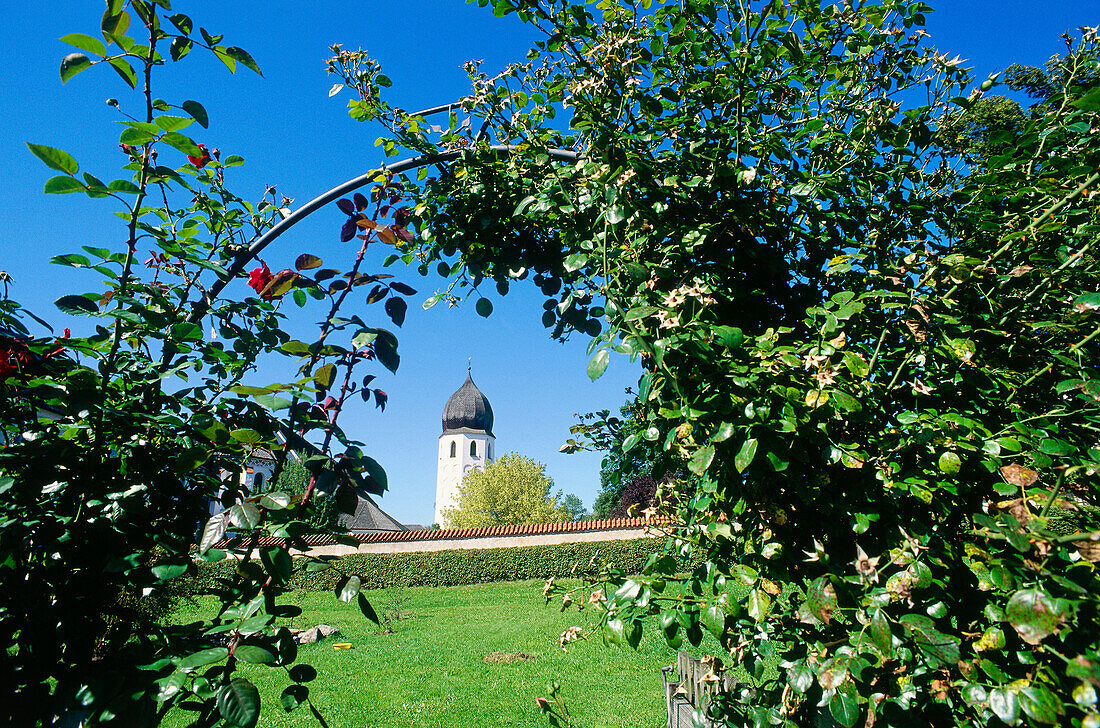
{"type": "Point", "coordinates": [454, 534]}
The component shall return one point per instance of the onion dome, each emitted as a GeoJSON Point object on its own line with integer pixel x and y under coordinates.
{"type": "Point", "coordinates": [468, 409]}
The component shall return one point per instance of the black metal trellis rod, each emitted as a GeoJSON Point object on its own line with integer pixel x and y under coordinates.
{"type": "Point", "coordinates": [405, 165]}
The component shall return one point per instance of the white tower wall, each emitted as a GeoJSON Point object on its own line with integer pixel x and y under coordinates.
{"type": "Point", "coordinates": [452, 468]}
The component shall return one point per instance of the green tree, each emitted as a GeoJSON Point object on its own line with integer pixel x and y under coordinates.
{"type": "Point", "coordinates": [511, 490]}
{"type": "Point", "coordinates": [573, 507]}
{"type": "Point", "coordinates": [878, 359]}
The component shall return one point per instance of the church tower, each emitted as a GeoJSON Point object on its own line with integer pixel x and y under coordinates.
{"type": "Point", "coordinates": [467, 442]}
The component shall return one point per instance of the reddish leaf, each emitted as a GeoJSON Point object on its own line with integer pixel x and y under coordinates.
{"type": "Point", "coordinates": [282, 282]}
{"type": "Point", "coordinates": [1018, 475]}
{"type": "Point", "coordinates": [386, 236]}
{"type": "Point", "coordinates": [346, 206]}
{"type": "Point", "coordinates": [306, 261]}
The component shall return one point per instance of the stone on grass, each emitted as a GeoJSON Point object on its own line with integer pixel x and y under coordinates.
{"type": "Point", "coordinates": [313, 634]}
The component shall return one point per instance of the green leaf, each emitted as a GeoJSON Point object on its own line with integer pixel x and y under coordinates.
{"type": "Point", "coordinates": [1035, 615]}
{"type": "Point", "coordinates": [396, 308]}
{"type": "Point", "coordinates": [124, 186]}
{"type": "Point", "coordinates": [254, 654]}
{"type": "Point", "coordinates": [164, 572]}
{"type": "Point", "coordinates": [135, 137]}
{"type": "Point", "coordinates": [173, 123]}
{"type": "Point", "coordinates": [598, 364]}
{"type": "Point", "coordinates": [76, 305]}
{"type": "Point", "coordinates": [701, 460]}
{"type": "Point", "coordinates": [745, 455]}
{"type": "Point", "coordinates": [484, 307]}
{"type": "Point", "coordinates": [246, 516]}
{"type": "Point", "coordinates": [73, 64]}
{"type": "Point", "coordinates": [575, 262]}
{"type": "Point", "coordinates": [277, 562]}
{"type": "Point", "coordinates": [125, 71]}
{"type": "Point", "coordinates": [293, 696]}
{"type": "Point", "coordinates": [72, 260]}
{"type": "Point", "coordinates": [367, 609]}
{"type": "Point", "coordinates": [949, 463]}
{"type": "Point", "coordinates": [1041, 704]}
{"type": "Point", "coordinates": [1058, 448]}
{"type": "Point", "coordinates": [182, 22]}
{"type": "Point", "coordinates": [224, 57]}
{"type": "Point", "coordinates": [878, 629]}
{"type": "Point", "coordinates": [180, 142]}
{"type": "Point", "coordinates": [248, 437]}
{"type": "Point", "coordinates": [349, 589]}
{"type": "Point", "coordinates": [62, 185]}
{"type": "Point", "coordinates": [821, 599]}
{"type": "Point", "coordinates": [714, 619]}
{"type": "Point", "coordinates": [242, 57]}
{"type": "Point", "coordinates": [85, 43]}
{"type": "Point", "coordinates": [856, 364]}
{"type": "Point", "coordinates": [239, 703]}
{"type": "Point", "coordinates": [213, 532]}
{"type": "Point", "coordinates": [115, 22]}
{"type": "Point", "coordinates": [1003, 703]}
{"type": "Point", "coordinates": [939, 648]}
{"type": "Point", "coordinates": [844, 705]}
{"type": "Point", "coordinates": [205, 657]}
{"type": "Point", "coordinates": [759, 604]}
{"type": "Point", "coordinates": [846, 402]}
{"type": "Point", "coordinates": [198, 113]}
{"type": "Point", "coordinates": [325, 376]}
{"type": "Point", "coordinates": [640, 312]}
{"type": "Point", "coordinates": [303, 673]}
{"type": "Point", "coordinates": [179, 48]}
{"type": "Point", "coordinates": [275, 501]}
{"type": "Point", "coordinates": [800, 676]}
{"type": "Point", "coordinates": [377, 473]}
{"type": "Point", "coordinates": [385, 348]}
{"type": "Point", "coordinates": [54, 158]}
{"type": "Point", "coordinates": [728, 336]}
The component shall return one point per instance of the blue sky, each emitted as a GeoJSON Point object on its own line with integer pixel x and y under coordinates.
{"type": "Point", "coordinates": [294, 136]}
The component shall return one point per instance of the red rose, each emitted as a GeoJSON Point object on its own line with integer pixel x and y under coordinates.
{"type": "Point", "coordinates": [258, 279]}
{"type": "Point", "coordinates": [200, 162]}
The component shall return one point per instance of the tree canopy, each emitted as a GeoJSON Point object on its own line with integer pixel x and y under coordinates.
{"type": "Point", "coordinates": [511, 490]}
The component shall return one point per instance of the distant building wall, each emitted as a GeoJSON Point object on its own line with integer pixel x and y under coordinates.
{"type": "Point", "coordinates": [494, 537]}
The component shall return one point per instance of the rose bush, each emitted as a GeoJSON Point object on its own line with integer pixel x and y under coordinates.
{"type": "Point", "coordinates": [119, 443]}
{"type": "Point", "coordinates": [876, 357]}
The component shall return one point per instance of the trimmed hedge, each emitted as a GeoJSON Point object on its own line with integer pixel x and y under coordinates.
{"type": "Point", "coordinates": [453, 567]}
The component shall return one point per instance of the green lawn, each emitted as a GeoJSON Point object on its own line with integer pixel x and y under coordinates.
{"type": "Point", "coordinates": [431, 671]}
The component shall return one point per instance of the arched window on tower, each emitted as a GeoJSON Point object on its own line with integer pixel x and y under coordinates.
{"type": "Point", "coordinates": [453, 448]}
{"type": "Point", "coordinates": [473, 449]}
{"type": "Point", "coordinates": [258, 482]}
